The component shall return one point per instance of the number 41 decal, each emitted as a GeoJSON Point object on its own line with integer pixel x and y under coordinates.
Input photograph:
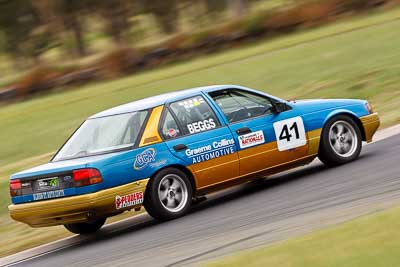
{"type": "Point", "coordinates": [290, 133]}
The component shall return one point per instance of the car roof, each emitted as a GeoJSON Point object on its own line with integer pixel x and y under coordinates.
{"type": "Point", "coordinates": [154, 101]}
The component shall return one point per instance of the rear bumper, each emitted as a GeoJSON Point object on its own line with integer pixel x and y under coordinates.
{"type": "Point", "coordinates": [80, 208]}
{"type": "Point", "coordinates": [371, 124]}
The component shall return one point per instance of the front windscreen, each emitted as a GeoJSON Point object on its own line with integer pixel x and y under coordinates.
{"type": "Point", "coordinates": [103, 135]}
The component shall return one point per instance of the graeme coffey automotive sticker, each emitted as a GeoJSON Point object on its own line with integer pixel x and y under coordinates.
{"type": "Point", "coordinates": [128, 200]}
{"type": "Point", "coordinates": [215, 150]}
{"type": "Point", "coordinates": [47, 195]}
{"type": "Point", "coordinates": [144, 158]}
{"type": "Point", "coordinates": [251, 139]}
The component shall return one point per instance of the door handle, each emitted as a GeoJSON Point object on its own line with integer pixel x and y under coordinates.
{"type": "Point", "coordinates": [180, 147]}
{"type": "Point", "coordinates": [244, 130]}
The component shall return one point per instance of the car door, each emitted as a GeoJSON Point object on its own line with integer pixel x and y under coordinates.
{"type": "Point", "coordinates": [264, 137]}
{"type": "Point", "coordinates": [194, 133]}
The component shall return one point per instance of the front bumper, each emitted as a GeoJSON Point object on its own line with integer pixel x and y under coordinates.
{"type": "Point", "coordinates": [371, 124]}
{"type": "Point", "coordinates": [76, 209]}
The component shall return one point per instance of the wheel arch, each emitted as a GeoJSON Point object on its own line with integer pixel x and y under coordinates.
{"type": "Point", "coordinates": [182, 168]}
{"type": "Point", "coordinates": [348, 113]}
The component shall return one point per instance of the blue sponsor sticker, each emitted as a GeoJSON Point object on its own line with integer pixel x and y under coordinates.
{"type": "Point", "coordinates": [49, 194]}
{"type": "Point", "coordinates": [144, 158]}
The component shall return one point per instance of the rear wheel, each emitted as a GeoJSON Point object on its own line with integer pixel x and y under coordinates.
{"type": "Point", "coordinates": [85, 228]}
{"type": "Point", "coordinates": [341, 141]}
{"type": "Point", "coordinates": [168, 195]}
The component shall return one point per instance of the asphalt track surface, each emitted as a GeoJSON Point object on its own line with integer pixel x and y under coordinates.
{"type": "Point", "coordinates": [244, 217]}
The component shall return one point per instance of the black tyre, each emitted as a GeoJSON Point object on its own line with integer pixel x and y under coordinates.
{"type": "Point", "coordinates": [168, 195]}
{"type": "Point", "coordinates": [85, 228]}
{"type": "Point", "coordinates": [341, 141]}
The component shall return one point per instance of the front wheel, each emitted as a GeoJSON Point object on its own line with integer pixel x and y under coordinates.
{"type": "Point", "coordinates": [168, 195]}
{"type": "Point", "coordinates": [85, 228]}
{"type": "Point", "coordinates": [341, 141]}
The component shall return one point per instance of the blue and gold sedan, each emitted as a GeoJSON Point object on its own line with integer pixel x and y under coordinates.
{"type": "Point", "coordinates": [163, 152]}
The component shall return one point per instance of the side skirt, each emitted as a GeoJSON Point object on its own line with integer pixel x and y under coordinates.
{"type": "Point", "coordinates": [246, 178]}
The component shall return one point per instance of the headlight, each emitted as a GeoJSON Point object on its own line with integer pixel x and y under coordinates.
{"type": "Point", "coordinates": [369, 108]}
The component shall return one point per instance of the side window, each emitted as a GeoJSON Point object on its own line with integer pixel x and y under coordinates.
{"type": "Point", "coordinates": [194, 115]}
{"type": "Point", "coordinates": [132, 131]}
{"type": "Point", "coordinates": [169, 127]}
{"type": "Point", "coordinates": [238, 105]}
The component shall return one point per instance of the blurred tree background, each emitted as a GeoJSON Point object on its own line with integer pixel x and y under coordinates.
{"type": "Point", "coordinates": [30, 28]}
{"type": "Point", "coordinates": [85, 40]}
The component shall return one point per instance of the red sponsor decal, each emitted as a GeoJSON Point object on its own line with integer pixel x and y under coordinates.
{"type": "Point", "coordinates": [172, 132]}
{"type": "Point", "coordinates": [251, 139]}
{"type": "Point", "coordinates": [128, 200]}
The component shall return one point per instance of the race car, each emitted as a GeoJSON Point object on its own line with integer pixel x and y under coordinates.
{"type": "Point", "coordinates": [164, 152]}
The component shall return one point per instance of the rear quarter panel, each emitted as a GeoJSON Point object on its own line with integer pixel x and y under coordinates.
{"type": "Point", "coordinates": [135, 165]}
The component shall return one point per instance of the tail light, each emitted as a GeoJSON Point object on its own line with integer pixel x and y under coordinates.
{"type": "Point", "coordinates": [84, 177]}
{"type": "Point", "coordinates": [369, 108]}
{"type": "Point", "coordinates": [15, 188]}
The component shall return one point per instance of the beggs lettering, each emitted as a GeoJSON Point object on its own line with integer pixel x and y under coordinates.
{"type": "Point", "coordinates": [201, 126]}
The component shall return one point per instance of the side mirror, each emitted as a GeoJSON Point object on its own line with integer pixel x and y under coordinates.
{"type": "Point", "coordinates": [280, 107]}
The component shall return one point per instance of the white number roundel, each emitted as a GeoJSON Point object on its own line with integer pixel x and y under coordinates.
{"type": "Point", "coordinates": [290, 133]}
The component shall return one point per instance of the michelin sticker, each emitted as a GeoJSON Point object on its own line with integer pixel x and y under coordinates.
{"type": "Point", "coordinates": [251, 139]}
{"type": "Point", "coordinates": [215, 150]}
{"type": "Point", "coordinates": [128, 200]}
{"type": "Point", "coordinates": [144, 158]}
{"type": "Point", "coordinates": [200, 126]}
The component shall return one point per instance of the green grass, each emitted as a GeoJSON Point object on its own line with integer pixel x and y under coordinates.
{"type": "Point", "coordinates": [16, 236]}
{"type": "Point", "coordinates": [324, 62]}
{"type": "Point", "coordinates": [360, 64]}
{"type": "Point", "coordinates": [370, 241]}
